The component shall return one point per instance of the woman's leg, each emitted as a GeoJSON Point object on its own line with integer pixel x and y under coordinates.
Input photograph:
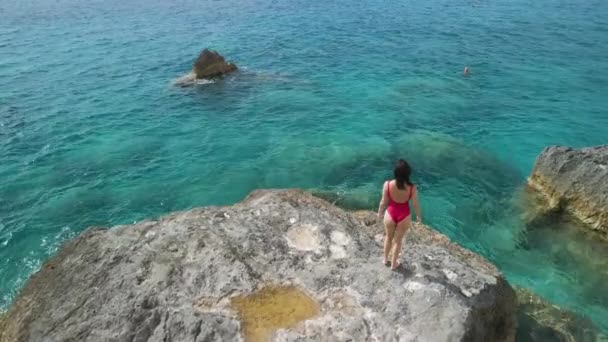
{"type": "Point", "coordinates": [400, 231]}
{"type": "Point", "coordinates": [389, 232]}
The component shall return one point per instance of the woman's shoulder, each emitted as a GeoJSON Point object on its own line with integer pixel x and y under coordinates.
{"type": "Point", "coordinates": [386, 184]}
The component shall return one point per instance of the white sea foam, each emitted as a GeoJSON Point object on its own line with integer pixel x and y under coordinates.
{"type": "Point", "coordinates": [190, 79]}
{"type": "Point", "coordinates": [203, 81]}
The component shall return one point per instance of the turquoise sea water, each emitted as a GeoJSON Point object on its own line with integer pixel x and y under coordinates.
{"type": "Point", "coordinates": [93, 133]}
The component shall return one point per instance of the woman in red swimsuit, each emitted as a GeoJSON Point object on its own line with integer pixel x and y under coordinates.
{"type": "Point", "coordinates": [396, 195]}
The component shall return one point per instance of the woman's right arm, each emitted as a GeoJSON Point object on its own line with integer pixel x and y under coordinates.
{"type": "Point", "coordinates": [383, 201]}
{"type": "Point", "coordinates": [416, 205]}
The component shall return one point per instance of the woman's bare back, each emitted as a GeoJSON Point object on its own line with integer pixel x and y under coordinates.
{"type": "Point", "coordinates": [399, 195]}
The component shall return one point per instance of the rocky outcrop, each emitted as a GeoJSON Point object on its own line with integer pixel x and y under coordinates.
{"type": "Point", "coordinates": [575, 181]}
{"type": "Point", "coordinates": [280, 265]}
{"type": "Point", "coordinates": [210, 64]}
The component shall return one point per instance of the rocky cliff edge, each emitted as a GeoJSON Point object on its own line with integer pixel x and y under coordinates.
{"type": "Point", "coordinates": [281, 265]}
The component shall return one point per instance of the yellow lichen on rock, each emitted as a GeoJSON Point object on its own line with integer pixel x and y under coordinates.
{"type": "Point", "coordinates": [272, 308]}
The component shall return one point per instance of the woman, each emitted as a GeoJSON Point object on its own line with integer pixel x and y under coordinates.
{"type": "Point", "coordinates": [396, 195]}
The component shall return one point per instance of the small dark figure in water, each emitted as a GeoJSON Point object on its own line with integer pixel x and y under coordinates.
{"type": "Point", "coordinates": [396, 195]}
{"type": "Point", "coordinates": [466, 71]}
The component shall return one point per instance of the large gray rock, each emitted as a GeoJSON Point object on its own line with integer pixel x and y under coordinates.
{"type": "Point", "coordinates": [576, 181]}
{"type": "Point", "coordinates": [178, 279]}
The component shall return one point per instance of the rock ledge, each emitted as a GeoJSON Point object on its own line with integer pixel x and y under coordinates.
{"type": "Point", "coordinates": [575, 181]}
{"type": "Point", "coordinates": [176, 279]}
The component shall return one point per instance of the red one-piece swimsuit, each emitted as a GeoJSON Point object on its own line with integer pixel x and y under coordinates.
{"type": "Point", "coordinates": [398, 211]}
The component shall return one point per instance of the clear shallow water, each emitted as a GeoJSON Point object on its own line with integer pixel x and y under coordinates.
{"type": "Point", "coordinates": [93, 133]}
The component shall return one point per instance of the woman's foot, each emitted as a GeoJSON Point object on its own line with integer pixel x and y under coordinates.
{"type": "Point", "coordinates": [386, 263]}
{"type": "Point", "coordinates": [395, 266]}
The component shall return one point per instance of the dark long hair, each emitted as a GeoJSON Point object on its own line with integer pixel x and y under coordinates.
{"type": "Point", "coordinates": [402, 173]}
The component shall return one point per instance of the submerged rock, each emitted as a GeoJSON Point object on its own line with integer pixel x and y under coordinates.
{"type": "Point", "coordinates": [201, 275]}
{"type": "Point", "coordinates": [210, 64]}
{"type": "Point", "coordinates": [575, 181]}
{"type": "Point", "coordinates": [541, 321]}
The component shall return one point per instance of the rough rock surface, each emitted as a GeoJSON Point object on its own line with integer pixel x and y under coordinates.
{"type": "Point", "coordinates": [575, 180]}
{"type": "Point", "coordinates": [173, 279]}
{"type": "Point", "coordinates": [210, 64]}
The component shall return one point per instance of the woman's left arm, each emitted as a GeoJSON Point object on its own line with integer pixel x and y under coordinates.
{"type": "Point", "coordinates": [417, 205]}
{"type": "Point", "coordinates": [383, 201]}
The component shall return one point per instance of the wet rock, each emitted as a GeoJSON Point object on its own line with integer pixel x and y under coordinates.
{"type": "Point", "coordinates": [210, 64]}
{"type": "Point", "coordinates": [188, 276]}
{"type": "Point", "coordinates": [541, 321]}
{"type": "Point", "coordinates": [534, 209]}
{"type": "Point", "coordinates": [575, 181]}
{"type": "Point", "coordinates": [273, 308]}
